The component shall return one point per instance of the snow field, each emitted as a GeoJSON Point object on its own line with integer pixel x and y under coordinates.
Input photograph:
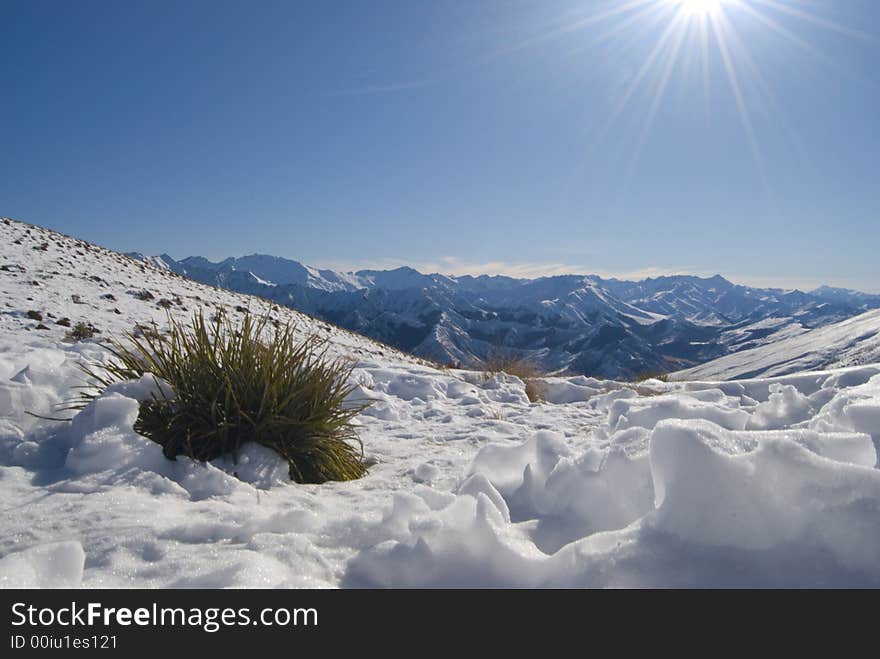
{"type": "Point", "coordinates": [763, 482]}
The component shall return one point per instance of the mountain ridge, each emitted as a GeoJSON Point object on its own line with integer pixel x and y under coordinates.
{"type": "Point", "coordinates": [582, 324]}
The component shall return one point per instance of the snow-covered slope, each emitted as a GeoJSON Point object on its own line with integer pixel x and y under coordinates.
{"type": "Point", "coordinates": [51, 281]}
{"type": "Point", "coordinates": [752, 483]}
{"type": "Point", "coordinates": [851, 342]}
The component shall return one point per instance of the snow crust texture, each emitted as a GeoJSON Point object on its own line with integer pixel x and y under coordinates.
{"type": "Point", "coordinates": [755, 482]}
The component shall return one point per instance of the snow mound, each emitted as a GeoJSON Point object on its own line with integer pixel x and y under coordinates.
{"type": "Point", "coordinates": [647, 412]}
{"type": "Point", "coordinates": [103, 445]}
{"type": "Point", "coordinates": [56, 565]}
{"type": "Point", "coordinates": [779, 496]}
{"type": "Point", "coordinates": [674, 491]}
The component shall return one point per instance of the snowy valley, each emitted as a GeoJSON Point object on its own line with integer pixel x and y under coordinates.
{"type": "Point", "coordinates": [757, 469]}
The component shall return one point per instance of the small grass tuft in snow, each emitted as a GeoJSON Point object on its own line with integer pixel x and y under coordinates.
{"type": "Point", "coordinates": [239, 382]}
{"type": "Point", "coordinates": [81, 331]}
{"type": "Point", "coordinates": [525, 369]}
{"type": "Point", "coordinates": [534, 390]}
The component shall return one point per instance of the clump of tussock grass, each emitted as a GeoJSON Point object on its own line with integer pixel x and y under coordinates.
{"type": "Point", "coordinates": [81, 331]}
{"type": "Point", "coordinates": [236, 383]}
{"type": "Point", "coordinates": [534, 390]}
{"type": "Point", "coordinates": [525, 369]}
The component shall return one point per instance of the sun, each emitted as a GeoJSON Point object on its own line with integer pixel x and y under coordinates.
{"type": "Point", "coordinates": [702, 8]}
{"type": "Point", "coordinates": [707, 43]}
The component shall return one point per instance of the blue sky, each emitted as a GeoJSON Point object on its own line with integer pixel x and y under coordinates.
{"type": "Point", "coordinates": [494, 136]}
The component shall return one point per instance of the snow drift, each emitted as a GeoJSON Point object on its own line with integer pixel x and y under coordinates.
{"type": "Point", "coordinates": [663, 501]}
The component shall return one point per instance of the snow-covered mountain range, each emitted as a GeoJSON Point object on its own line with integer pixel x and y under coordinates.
{"type": "Point", "coordinates": [766, 481]}
{"type": "Point", "coordinates": [568, 324]}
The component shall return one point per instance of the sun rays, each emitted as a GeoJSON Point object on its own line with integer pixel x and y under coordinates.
{"type": "Point", "coordinates": [715, 37]}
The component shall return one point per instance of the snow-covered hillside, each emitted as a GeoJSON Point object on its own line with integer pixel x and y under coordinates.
{"type": "Point", "coordinates": [51, 281]}
{"type": "Point", "coordinates": [851, 342]}
{"type": "Point", "coordinates": [750, 483]}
